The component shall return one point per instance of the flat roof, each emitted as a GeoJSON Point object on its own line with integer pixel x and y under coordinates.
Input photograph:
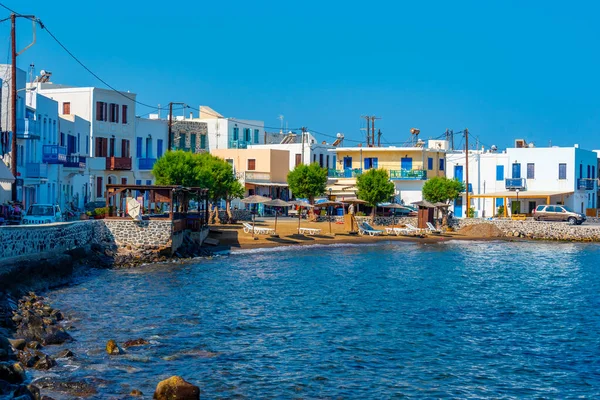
{"type": "Point", "coordinates": [526, 194]}
{"type": "Point", "coordinates": [390, 148]}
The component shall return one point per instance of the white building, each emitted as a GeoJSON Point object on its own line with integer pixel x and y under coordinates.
{"type": "Point", "coordinates": [111, 115]}
{"type": "Point", "coordinates": [303, 148]}
{"type": "Point", "coordinates": [151, 141]}
{"type": "Point", "coordinates": [229, 133]}
{"type": "Point", "coordinates": [524, 177]}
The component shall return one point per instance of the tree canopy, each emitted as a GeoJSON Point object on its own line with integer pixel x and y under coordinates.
{"type": "Point", "coordinates": [307, 181]}
{"type": "Point", "coordinates": [374, 187]}
{"type": "Point", "coordinates": [442, 189]}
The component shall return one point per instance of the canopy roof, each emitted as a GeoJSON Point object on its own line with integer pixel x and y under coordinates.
{"type": "Point", "coordinates": [5, 175]}
{"type": "Point", "coordinates": [525, 194]}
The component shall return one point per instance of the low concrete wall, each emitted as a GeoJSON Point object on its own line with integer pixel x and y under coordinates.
{"type": "Point", "coordinates": [536, 230]}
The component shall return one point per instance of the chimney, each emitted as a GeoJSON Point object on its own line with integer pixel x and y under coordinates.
{"type": "Point", "coordinates": [191, 115]}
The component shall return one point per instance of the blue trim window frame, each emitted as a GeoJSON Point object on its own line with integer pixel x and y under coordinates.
{"type": "Point", "coordinates": [562, 171]}
{"type": "Point", "coordinates": [236, 133]}
{"type": "Point", "coordinates": [430, 163]}
{"type": "Point", "coordinates": [256, 135]}
{"type": "Point", "coordinates": [371, 162]}
{"type": "Point", "coordinates": [530, 171]}
{"type": "Point", "coordinates": [247, 137]}
{"type": "Point", "coordinates": [138, 147]}
{"type": "Point", "coordinates": [499, 172]}
{"type": "Point", "coordinates": [203, 141]}
{"type": "Point", "coordinates": [159, 148]}
{"type": "Point", "coordinates": [442, 166]}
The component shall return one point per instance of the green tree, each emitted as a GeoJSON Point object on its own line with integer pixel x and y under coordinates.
{"type": "Point", "coordinates": [441, 190]}
{"type": "Point", "coordinates": [225, 186]}
{"type": "Point", "coordinates": [182, 168]}
{"type": "Point", "coordinates": [307, 181]}
{"type": "Point", "coordinates": [374, 187]}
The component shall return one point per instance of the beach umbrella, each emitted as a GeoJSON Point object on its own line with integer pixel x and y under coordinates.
{"type": "Point", "coordinates": [255, 199]}
{"type": "Point", "coordinates": [277, 203]}
{"type": "Point", "coordinates": [392, 206]}
{"type": "Point", "coordinates": [301, 204]}
{"type": "Point", "coordinates": [330, 204]}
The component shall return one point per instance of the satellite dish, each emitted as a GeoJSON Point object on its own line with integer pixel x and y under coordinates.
{"type": "Point", "coordinates": [339, 135]}
{"type": "Point", "coordinates": [494, 148]}
{"type": "Point", "coordinates": [43, 72]}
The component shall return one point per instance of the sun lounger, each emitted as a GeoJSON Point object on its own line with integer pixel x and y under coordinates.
{"type": "Point", "coordinates": [257, 229]}
{"type": "Point", "coordinates": [309, 231]}
{"type": "Point", "coordinates": [432, 229]}
{"type": "Point", "coordinates": [366, 229]}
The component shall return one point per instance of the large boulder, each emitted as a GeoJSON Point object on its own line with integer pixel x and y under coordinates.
{"type": "Point", "coordinates": [113, 348]}
{"type": "Point", "coordinates": [12, 373]}
{"type": "Point", "coordinates": [135, 342]}
{"type": "Point", "coordinates": [176, 388]}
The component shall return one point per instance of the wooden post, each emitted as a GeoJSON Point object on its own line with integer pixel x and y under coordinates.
{"type": "Point", "coordinates": [505, 207]}
{"type": "Point", "coordinates": [172, 205]}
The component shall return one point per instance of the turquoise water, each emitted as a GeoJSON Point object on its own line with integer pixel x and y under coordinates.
{"type": "Point", "coordinates": [458, 319]}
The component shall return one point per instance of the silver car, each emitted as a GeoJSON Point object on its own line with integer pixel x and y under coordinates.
{"type": "Point", "coordinates": [558, 213]}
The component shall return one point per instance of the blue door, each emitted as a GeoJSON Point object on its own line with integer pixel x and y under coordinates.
{"type": "Point", "coordinates": [458, 206]}
{"type": "Point", "coordinates": [516, 170]}
{"type": "Point", "coordinates": [348, 167]}
{"type": "Point", "coordinates": [458, 172]}
{"type": "Point", "coordinates": [406, 163]}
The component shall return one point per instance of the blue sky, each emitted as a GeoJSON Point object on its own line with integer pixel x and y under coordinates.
{"type": "Point", "coordinates": [504, 69]}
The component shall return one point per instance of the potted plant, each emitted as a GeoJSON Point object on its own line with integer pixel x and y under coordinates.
{"type": "Point", "coordinates": [100, 213]}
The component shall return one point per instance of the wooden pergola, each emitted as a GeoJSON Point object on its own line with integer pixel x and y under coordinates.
{"type": "Point", "coordinates": [522, 195]}
{"type": "Point", "coordinates": [153, 198]}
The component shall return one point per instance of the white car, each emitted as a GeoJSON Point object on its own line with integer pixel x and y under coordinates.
{"type": "Point", "coordinates": [42, 214]}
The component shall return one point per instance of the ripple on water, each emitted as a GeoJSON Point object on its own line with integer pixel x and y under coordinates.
{"type": "Point", "coordinates": [458, 319]}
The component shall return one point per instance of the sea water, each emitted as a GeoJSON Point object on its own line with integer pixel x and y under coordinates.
{"type": "Point", "coordinates": [448, 320]}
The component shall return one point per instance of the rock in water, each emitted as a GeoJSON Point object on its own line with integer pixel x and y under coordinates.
{"type": "Point", "coordinates": [136, 342]}
{"type": "Point", "coordinates": [12, 373]}
{"type": "Point", "coordinates": [175, 388]}
{"type": "Point", "coordinates": [113, 348]}
{"type": "Point", "coordinates": [17, 344]}
{"type": "Point", "coordinates": [65, 354]}
{"type": "Point", "coordinates": [136, 393]}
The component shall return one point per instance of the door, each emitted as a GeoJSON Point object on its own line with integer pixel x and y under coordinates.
{"type": "Point", "coordinates": [406, 163]}
{"type": "Point", "coordinates": [458, 207]}
{"type": "Point", "coordinates": [458, 172]}
{"type": "Point", "coordinates": [516, 171]}
{"type": "Point", "coordinates": [515, 207]}
{"type": "Point", "coordinates": [348, 167]}
{"type": "Point", "coordinates": [532, 206]}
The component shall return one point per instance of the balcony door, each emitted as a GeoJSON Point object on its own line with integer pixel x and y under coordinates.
{"type": "Point", "coordinates": [406, 163]}
{"type": "Point", "coordinates": [348, 167]}
{"type": "Point", "coordinates": [111, 147]}
{"type": "Point", "coordinates": [516, 171]}
{"type": "Point", "coordinates": [458, 172]}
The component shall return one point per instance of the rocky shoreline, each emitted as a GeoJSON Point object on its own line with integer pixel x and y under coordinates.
{"type": "Point", "coordinates": [26, 336]}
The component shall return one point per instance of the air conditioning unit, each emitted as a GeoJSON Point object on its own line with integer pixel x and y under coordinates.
{"type": "Point", "coordinates": [520, 143]}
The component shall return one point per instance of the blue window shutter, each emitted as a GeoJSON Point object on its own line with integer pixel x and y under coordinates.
{"type": "Point", "coordinates": [499, 201]}
{"type": "Point", "coordinates": [203, 141]}
{"type": "Point", "coordinates": [138, 147]}
{"type": "Point", "coordinates": [441, 164]}
{"type": "Point", "coordinates": [499, 172]}
{"type": "Point", "coordinates": [256, 133]}
{"type": "Point", "coordinates": [430, 163]}
{"type": "Point", "coordinates": [159, 148]}
{"type": "Point", "coordinates": [375, 162]}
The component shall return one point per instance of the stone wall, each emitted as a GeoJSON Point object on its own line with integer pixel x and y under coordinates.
{"type": "Point", "coordinates": [24, 240]}
{"type": "Point", "coordinates": [536, 230]}
{"type": "Point", "coordinates": [381, 221]}
{"type": "Point", "coordinates": [153, 234]}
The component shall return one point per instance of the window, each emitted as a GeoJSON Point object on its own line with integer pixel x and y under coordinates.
{"type": "Point", "coordinates": [98, 186]}
{"type": "Point", "coordinates": [193, 142]}
{"type": "Point", "coordinates": [499, 172]}
{"type": "Point", "coordinates": [256, 132]}
{"type": "Point", "coordinates": [124, 112]}
{"type": "Point", "coordinates": [314, 158]}
{"type": "Point", "coordinates": [101, 146]}
{"type": "Point", "coordinates": [182, 141]}
{"type": "Point", "coordinates": [111, 147]}
{"type": "Point", "coordinates": [562, 171]}
{"type": "Point", "coordinates": [123, 181]}
{"type": "Point", "coordinates": [78, 145]}
{"type": "Point", "coordinates": [236, 133]}
{"type": "Point", "coordinates": [371, 162]}
{"type": "Point", "coordinates": [251, 164]}
{"type": "Point", "coordinates": [138, 147]}
{"type": "Point", "coordinates": [87, 145]}
{"type": "Point", "coordinates": [298, 159]}
{"type": "Point", "coordinates": [101, 111]}
{"type": "Point", "coordinates": [113, 115]}
{"type": "Point", "coordinates": [441, 164]}
{"type": "Point", "coordinates": [149, 147]}
{"type": "Point", "coordinates": [430, 163]}
{"type": "Point", "coordinates": [516, 170]}
{"type": "Point", "coordinates": [321, 160]}
{"type": "Point", "coordinates": [327, 163]}
{"type": "Point", "coordinates": [247, 137]}
{"type": "Point", "coordinates": [159, 148]}
{"type": "Point", "coordinates": [530, 171]}
{"type": "Point", "coordinates": [203, 141]}
{"type": "Point", "coordinates": [588, 172]}
{"type": "Point", "coordinates": [125, 148]}
{"type": "Point", "coordinates": [66, 108]}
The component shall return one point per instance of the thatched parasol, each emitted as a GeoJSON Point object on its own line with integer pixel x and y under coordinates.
{"type": "Point", "coordinates": [300, 204]}
{"type": "Point", "coordinates": [277, 203]}
{"type": "Point", "coordinates": [330, 204]}
{"type": "Point", "coordinates": [255, 199]}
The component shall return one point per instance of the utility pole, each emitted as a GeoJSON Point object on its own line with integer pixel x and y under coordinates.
{"type": "Point", "coordinates": [379, 138]}
{"type": "Point", "coordinates": [170, 138]}
{"type": "Point", "coordinates": [467, 168]}
{"type": "Point", "coordinates": [452, 139]}
{"type": "Point", "coordinates": [367, 118]}
{"type": "Point", "coordinates": [303, 135]}
{"type": "Point", "coordinates": [13, 95]}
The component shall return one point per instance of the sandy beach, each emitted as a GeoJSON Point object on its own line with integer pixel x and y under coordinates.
{"type": "Point", "coordinates": [233, 236]}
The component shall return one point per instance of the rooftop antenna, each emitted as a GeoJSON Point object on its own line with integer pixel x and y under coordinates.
{"type": "Point", "coordinates": [415, 132]}
{"type": "Point", "coordinates": [281, 119]}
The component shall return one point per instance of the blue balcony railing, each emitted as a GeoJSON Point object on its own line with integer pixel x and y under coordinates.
{"type": "Point", "coordinates": [238, 144]}
{"type": "Point", "coordinates": [27, 128]}
{"type": "Point", "coordinates": [585, 184]}
{"type": "Point", "coordinates": [515, 183]}
{"type": "Point", "coordinates": [78, 162]}
{"type": "Point", "coordinates": [408, 174]}
{"type": "Point", "coordinates": [146, 163]}
{"type": "Point", "coordinates": [36, 170]}
{"type": "Point", "coordinates": [54, 154]}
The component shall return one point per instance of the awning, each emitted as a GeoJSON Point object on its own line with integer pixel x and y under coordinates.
{"type": "Point", "coordinates": [5, 175]}
{"type": "Point", "coordinates": [524, 194]}
{"type": "Point", "coordinates": [267, 184]}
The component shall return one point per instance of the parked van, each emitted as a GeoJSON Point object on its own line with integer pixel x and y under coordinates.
{"type": "Point", "coordinates": [42, 214]}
